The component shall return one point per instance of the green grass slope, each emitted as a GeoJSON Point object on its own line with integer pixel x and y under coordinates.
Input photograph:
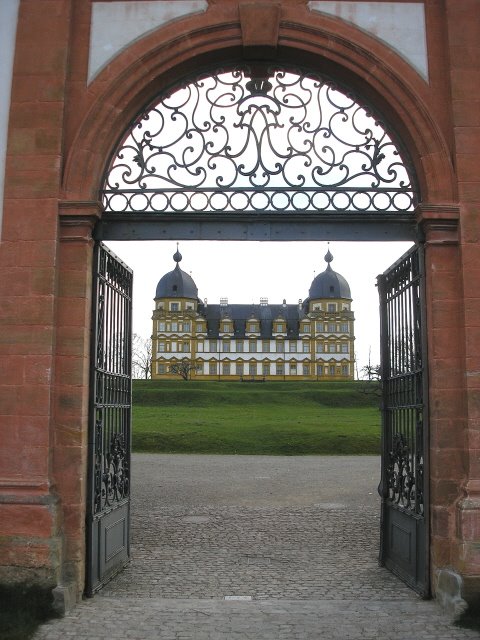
{"type": "Point", "coordinates": [271, 418]}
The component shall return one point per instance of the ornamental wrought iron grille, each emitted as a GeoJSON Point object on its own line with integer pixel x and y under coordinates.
{"type": "Point", "coordinates": [110, 416]}
{"type": "Point", "coordinates": [404, 430]}
{"type": "Point", "coordinates": [253, 140]}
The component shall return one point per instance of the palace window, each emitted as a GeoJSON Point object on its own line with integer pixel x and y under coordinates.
{"type": "Point", "coordinates": [319, 370]}
{"type": "Point", "coordinates": [306, 369]}
{"type": "Point", "coordinates": [332, 327]}
{"type": "Point", "coordinates": [305, 347]}
{"type": "Point", "coordinates": [213, 346]}
{"type": "Point", "coordinates": [280, 346]}
{"type": "Point", "coordinates": [161, 347]}
{"type": "Point", "coordinates": [344, 348]}
{"type": "Point", "coordinates": [332, 348]}
{"type": "Point", "coordinates": [161, 369]}
{"type": "Point", "coordinates": [174, 306]}
{"type": "Point", "coordinates": [331, 369]}
{"type": "Point", "coordinates": [200, 346]}
{"type": "Point", "coordinates": [345, 370]}
{"type": "Point", "coordinates": [199, 327]}
{"type": "Point", "coordinates": [186, 347]}
{"type": "Point", "coordinates": [265, 369]}
{"type": "Point", "coordinates": [319, 326]}
{"type": "Point", "coordinates": [293, 346]}
{"type": "Point", "coordinates": [306, 328]}
{"type": "Point", "coordinates": [186, 327]}
{"type": "Point", "coordinates": [174, 326]}
{"type": "Point", "coordinates": [265, 346]}
{"type": "Point", "coordinates": [332, 306]}
{"type": "Point", "coordinates": [226, 346]}
{"type": "Point", "coordinates": [344, 327]}
{"type": "Point", "coordinates": [252, 368]}
{"type": "Point", "coordinates": [319, 347]}
{"type": "Point", "coordinates": [279, 369]}
{"type": "Point", "coordinates": [293, 368]}
{"type": "Point", "coordinates": [212, 368]}
{"type": "Point", "coordinates": [161, 326]}
{"type": "Point", "coordinates": [226, 368]}
{"type": "Point", "coordinates": [252, 346]}
{"type": "Point", "coordinates": [239, 346]}
{"type": "Point", "coordinates": [239, 368]}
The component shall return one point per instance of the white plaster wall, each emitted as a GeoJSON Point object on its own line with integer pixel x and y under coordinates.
{"type": "Point", "coordinates": [401, 25]}
{"type": "Point", "coordinates": [8, 32]}
{"type": "Point", "coordinates": [116, 25]}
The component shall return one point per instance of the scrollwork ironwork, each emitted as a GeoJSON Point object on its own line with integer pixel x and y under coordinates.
{"type": "Point", "coordinates": [115, 476]}
{"type": "Point", "coordinates": [404, 475]}
{"type": "Point", "coordinates": [238, 141]}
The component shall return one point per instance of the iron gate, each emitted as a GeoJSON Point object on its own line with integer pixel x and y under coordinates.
{"type": "Point", "coordinates": [108, 511]}
{"type": "Point", "coordinates": [404, 481]}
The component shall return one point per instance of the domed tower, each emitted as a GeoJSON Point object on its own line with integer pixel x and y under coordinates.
{"type": "Point", "coordinates": [175, 286]}
{"type": "Point", "coordinates": [177, 323]}
{"type": "Point", "coordinates": [329, 288]}
{"type": "Point", "coordinates": [328, 307]}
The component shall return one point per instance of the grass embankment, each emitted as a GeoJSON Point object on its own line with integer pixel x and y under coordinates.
{"type": "Point", "coordinates": [273, 418]}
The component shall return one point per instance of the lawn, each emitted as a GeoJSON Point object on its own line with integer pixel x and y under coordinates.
{"type": "Point", "coordinates": [249, 418]}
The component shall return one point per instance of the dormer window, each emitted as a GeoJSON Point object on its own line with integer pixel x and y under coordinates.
{"type": "Point", "coordinates": [279, 327]}
{"type": "Point", "coordinates": [252, 327]}
{"type": "Point", "coordinates": [174, 306]}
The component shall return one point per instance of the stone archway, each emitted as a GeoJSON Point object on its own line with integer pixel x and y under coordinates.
{"type": "Point", "coordinates": [137, 74]}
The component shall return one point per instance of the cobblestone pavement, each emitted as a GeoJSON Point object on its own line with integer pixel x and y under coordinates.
{"type": "Point", "coordinates": [267, 548]}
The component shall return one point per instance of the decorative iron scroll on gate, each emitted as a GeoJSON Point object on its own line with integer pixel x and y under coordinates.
{"type": "Point", "coordinates": [254, 140]}
{"type": "Point", "coordinates": [110, 415]}
{"type": "Point", "coordinates": [404, 544]}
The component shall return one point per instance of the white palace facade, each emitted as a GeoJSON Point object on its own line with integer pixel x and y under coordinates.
{"type": "Point", "coordinates": [310, 340]}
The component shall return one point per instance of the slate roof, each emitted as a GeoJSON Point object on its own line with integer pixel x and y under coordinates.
{"type": "Point", "coordinates": [242, 313]}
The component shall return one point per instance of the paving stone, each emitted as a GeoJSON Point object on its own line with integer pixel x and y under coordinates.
{"type": "Point", "coordinates": [207, 533]}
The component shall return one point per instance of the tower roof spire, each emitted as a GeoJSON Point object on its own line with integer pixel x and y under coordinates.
{"type": "Point", "coordinates": [328, 257]}
{"type": "Point", "coordinates": [177, 256]}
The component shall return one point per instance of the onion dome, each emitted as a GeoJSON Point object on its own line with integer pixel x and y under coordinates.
{"type": "Point", "coordinates": [329, 284]}
{"type": "Point", "coordinates": [177, 283]}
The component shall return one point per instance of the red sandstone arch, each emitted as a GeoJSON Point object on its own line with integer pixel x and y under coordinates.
{"type": "Point", "coordinates": [103, 111]}
{"type": "Point", "coordinates": [135, 76]}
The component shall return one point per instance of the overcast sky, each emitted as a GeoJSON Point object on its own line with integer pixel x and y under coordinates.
{"type": "Point", "coordinates": [244, 272]}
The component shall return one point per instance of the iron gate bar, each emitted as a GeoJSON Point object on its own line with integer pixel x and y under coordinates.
{"type": "Point", "coordinates": [301, 227]}
{"type": "Point", "coordinates": [109, 445]}
{"type": "Point", "coordinates": [404, 481]}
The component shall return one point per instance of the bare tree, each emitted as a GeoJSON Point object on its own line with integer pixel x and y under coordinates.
{"type": "Point", "coordinates": [372, 373]}
{"type": "Point", "coordinates": [141, 357]}
{"type": "Point", "coordinates": [183, 368]}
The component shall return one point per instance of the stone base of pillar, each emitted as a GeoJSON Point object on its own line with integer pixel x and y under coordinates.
{"type": "Point", "coordinates": [449, 592]}
{"type": "Point", "coordinates": [65, 597]}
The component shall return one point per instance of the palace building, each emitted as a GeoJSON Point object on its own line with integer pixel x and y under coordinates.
{"type": "Point", "coordinates": [310, 340]}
